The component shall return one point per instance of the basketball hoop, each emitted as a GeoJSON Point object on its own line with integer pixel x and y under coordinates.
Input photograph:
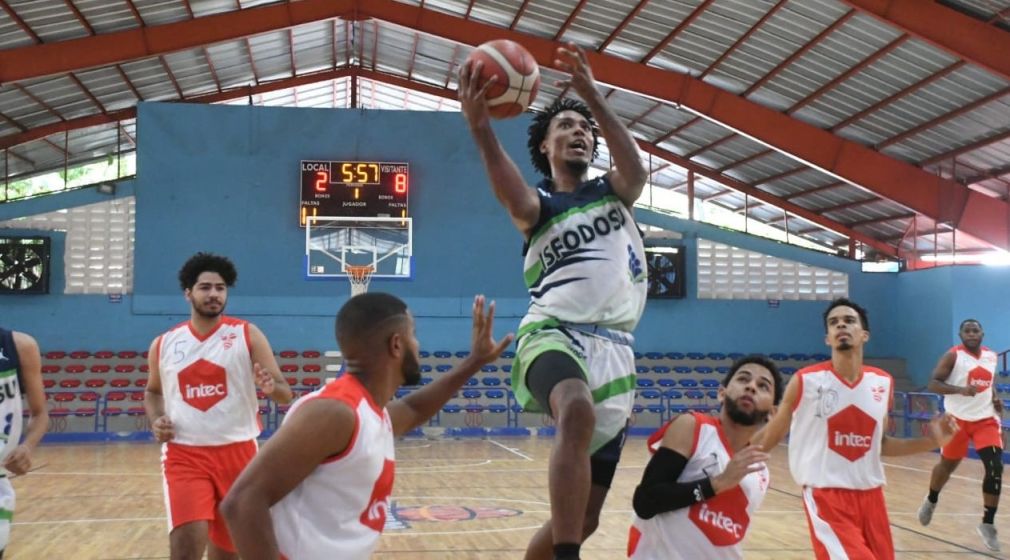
{"type": "Point", "coordinates": [360, 276]}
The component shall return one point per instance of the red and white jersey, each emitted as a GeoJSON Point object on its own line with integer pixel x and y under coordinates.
{"type": "Point", "coordinates": [838, 427]}
{"type": "Point", "coordinates": [207, 382]}
{"type": "Point", "coordinates": [977, 371]}
{"type": "Point", "coordinates": [712, 529]}
{"type": "Point", "coordinates": [339, 510]}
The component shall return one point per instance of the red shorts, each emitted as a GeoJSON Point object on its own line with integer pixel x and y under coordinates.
{"type": "Point", "coordinates": [197, 479]}
{"type": "Point", "coordinates": [848, 523]}
{"type": "Point", "coordinates": [982, 433]}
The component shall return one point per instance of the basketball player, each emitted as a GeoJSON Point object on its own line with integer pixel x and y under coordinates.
{"type": "Point", "coordinates": [585, 271]}
{"type": "Point", "coordinates": [836, 412]}
{"type": "Point", "coordinates": [964, 376]}
{"type": "Point", "coordinates": [201, 401]}
{"type": "Point", "coordinates": [705, 481]}
{"type": "Point", "coordinates": [320, 487]}
{"type": "Point", "coordinates": [20, 375]}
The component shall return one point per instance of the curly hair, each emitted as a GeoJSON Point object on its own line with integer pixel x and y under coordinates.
{"type": "Point", "coordinates": [542, 121]}
{"type": "Point", "coordinates": [206, 262]}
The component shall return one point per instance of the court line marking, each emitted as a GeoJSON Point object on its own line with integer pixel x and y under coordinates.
{"type": "Point", "coordinates": [511, 450]}
{"type": "Point", "coordinates": [472, 532]}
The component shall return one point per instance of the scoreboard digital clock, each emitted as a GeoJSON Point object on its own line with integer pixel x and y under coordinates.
{"type": "Point", "coordinates": [370, 189]}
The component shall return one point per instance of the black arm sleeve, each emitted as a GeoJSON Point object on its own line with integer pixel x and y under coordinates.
{"type": "Point", "coordinates": [660, 492]}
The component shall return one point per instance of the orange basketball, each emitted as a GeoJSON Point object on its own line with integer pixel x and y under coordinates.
{"type": "Point", "coordinates": [518, 76]}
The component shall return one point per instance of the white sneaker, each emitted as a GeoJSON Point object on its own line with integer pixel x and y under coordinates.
{"type": "Point", "coordinates": [926, 512]}
{"type": "Point", "coordinates": [990, 537]}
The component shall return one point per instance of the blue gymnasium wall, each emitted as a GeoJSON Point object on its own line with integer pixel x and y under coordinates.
{"type": "Point", "coordinates": [224, 179]}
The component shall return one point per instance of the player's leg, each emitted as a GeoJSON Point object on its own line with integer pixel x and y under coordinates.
{"type": "Point", "coordinates": [988, 443]}
{"type": "Point", "coordinates": [557, 380]}
{"type": "Point", "coordinates": [188, 541]}
{"type": "Point", "coordinates": [876, 524]}
{"type": "Point", "coordinates": [541, 546]}
{"type": "Point", "coordinates": [950, 457]}
{"type": "Point", "coordinates": [229, 462]}
{"type": "Point", "coordinates": [189, 500]}
{"type": "Point", "coordinates": [836, 531]}
{"type": "Point", "coordinates": [7, 501]}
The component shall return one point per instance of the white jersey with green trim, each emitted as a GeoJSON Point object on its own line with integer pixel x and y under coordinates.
{"type": "Point", "coordinates": [10, 395]}
{"type": "Point", "coordinates": [585, 260]}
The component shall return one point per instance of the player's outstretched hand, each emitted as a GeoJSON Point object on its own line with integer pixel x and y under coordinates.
{"type": "Point", "coordinates": [997, 403]}
{"type": "Point", "coordinates": [19, 461]}
{"type": "Point", "coordinates": [264, 380]}
{"type": "Point", "coordinates": [572, 59]}
{"type": "Point", "coordinates": [942, 428]}
{"type": "Point", "coordinates": [483, 346]}
{"type": "Point", "coordinates": [472, 95]}
{"type": "Point", "coordinates": [163, 429]}
{"type": "Point", "coordinates": [748, 460]}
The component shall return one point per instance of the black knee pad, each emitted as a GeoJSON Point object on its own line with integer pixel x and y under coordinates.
{"type": "Point", "coordinates": [992, 460]}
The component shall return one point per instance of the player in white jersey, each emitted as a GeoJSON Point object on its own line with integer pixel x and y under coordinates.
{"type": "Point", "coordinates": [319, 489]}
{"type": "Point", "coordinates": [585, 272]}
{"type": "Point", "coordinates": [835, 412]}
{"type": "Point", "coordinates": [705, 481]}
{"type": "Point", "coordinates": [202, 404]}
{"type": "Point", "coordinates": [964, 376]}
{"type": "Point", "coordinates": [20, 375]}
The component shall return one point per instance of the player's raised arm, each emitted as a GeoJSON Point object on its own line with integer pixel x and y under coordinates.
{"type": "Point", "coordinates": [778, 426]}
{"type": "Point", "coordinates": [508, 184]}
{"type": "Point", "coordinates": [628, 176]}
{"type": "Point", "coordinates": [420, 405]}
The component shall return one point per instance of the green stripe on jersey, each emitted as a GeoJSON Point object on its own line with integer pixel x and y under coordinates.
{"type": "Point", "coordinates": [569, 213]}
{"type": "Point", "coordinates": [616, 387]}
{"type": "Point", "coordinates": [8, 373]}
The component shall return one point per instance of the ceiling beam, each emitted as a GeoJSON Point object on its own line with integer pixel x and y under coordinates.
{"type": "Point", "coordinates": [970, 147]}
{"type": "Point", "coordinates": [962, 36]}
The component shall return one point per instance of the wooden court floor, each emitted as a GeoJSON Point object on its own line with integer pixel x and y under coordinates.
{"type": "Point", "coordinates": [454, 499]}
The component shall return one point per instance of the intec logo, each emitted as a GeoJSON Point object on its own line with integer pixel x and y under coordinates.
{"type": "Point", "coordinates": [980, 378]}
{"type": "Point", "coordinates": [850, 432]}
{"type": "Point", "coordinates": [723, 519]}
{"type": "Point", "coordinates": [203, 384]}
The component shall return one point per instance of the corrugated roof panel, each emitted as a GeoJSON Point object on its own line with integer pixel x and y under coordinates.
{"type": "Point", "coordinates": [108, 86]}
{"type": "Point", "coordinates": [231, 62]}
{"type": "Point", "coordinates": [597, 19]}
{"type": "Point", "coordinates": [272, 55]}
{"type": "Point", "coordinates": [191, 72]}
{"type": "Point", "coordinates": [64, 97]}
{"type": "Point", "coordinates": [52, 21]}
{"type": "Point", "coordinates": [150, 79]}
{"type": "Point", "coordinates": [987, 9]}
{"type": "Point", "coordinates": [22, 108]}
{"type": "Point", "coordinates": [156, 12]}
{"type": "Point", "coordinates": [495, 12]}
{"type": "Point", "coordinates": [650, 27]}
{"type": "Point", "coordinates": [313, 46]}
{"type": "Point", "coordinates": [541, 18]}
{"type": "Point", "coordinates": [105, 17]}
{"type": "Point", "coordinates": [431, 62]}
{"type": "Point", "coordinates": [11, 35]}
{"type": "Point", "coordinates": [714, 31]}
{"type": "Point", "coordinates": [961, 130]}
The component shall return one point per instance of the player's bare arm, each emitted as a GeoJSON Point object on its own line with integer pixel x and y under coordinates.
{"type": "Point", "coordinates": [938, 382]}
{"type": "Point", "coordinates": [628, 177]}
{"type": "Point", "coordinates": [20, 460]}
{"type": "Point", "coordinates": [265, 368]}
{"type": "Point", "coordinates": [321, 428]}
{"type": "Point", "coordinates": [154, 400]}
{"type": "Point", "coordinates": [941, 429]}
{"type": "Point", "coordinates": [778, 426]}
{"type": "Point", "coordinates": [508, 184]}
{"type": "Point", "coordinates": [420, 405]}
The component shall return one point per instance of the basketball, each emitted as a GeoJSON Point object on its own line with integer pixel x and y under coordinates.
{"type": "Point", "coordinates": [518, 76]}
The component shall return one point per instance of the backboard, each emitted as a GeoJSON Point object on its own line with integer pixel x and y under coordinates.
{"type": "Point", "coordinates": [333, 243]}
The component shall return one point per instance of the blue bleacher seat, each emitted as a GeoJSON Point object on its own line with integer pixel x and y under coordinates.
{"type": "Point", "coordinates": [637, 408]}
{"type": "Point", "coordinates": [491, 381]}
{"type": "Point", "coordinates": [682, 369]}
{"type": "Point", "coordinates": [688, 383]}
{"type": "Point", "coordinates": [710, 383]}
{"type": "Point", "coordinates": [462, 353]}
{"type": "Point", "coordinates": [655, 408]}
{"type": "Point", "coordinates": [673, 394]}
{"type": "Point", "coordinates": [471, 394]}
{"type": "Point", "coordinates": [716, 356]}
{"type": "Point", "coordinates": [735, 355]}
{"type": "Point", "coordinates": [703, 369]}
{"type": "Point", "coordinates": [654, 355]}
{"type": "Point", "coordinates": [489, 368]}
{"type": "Point", "coordinates": [442, 354]}
{"type": "Point", "coordinates": [452, 408]}
{"type": "Point", "coordinates": [799, 357]}
{"type": "Point", "coordinates": [694, 394]}
{"type": "Point", "coordinates": [646, 383]}
{"type": "Point", "coordinates": [507, 369]}
{"type": "Point", "coordinates": [641, 369]}
{"type": "Point", "coordinates": [471, 382]}
{"type": "Point", "coordinates": [661, 369]}
{"type": "Point", "coordinates": [722, 370]}
{"type": "Point", "coordinates": [508, 381]}
{"type": "Point", "coordinates": [443, 367]}
{"type": "Point", "coordinates": [508, 354]}
{"type": "Point", "coordinates": [678, 408]}
{"type": "Point", "coordinates": [495, 394]}
{"type": "Point", "coordinates": [424, 354]}
{"type": "Point", "coordinates": [426, 368]}
{"type": "Point", "coordinates": [638, 355]}
{"type": "Point", "coordinates": [497, 408]}
{"type": "Point", "coordinates": [787, 370]}
{"type": "Point", "coordinates": [819, 357]}
{"type": "Point", "coordinates": [695, 356]}
{"type": "Point", "coordinates": [667, 382]}
{"type": "Point", "coordinates": [712, 394]}
{"type": "Point", "coordinates": [400, 393]}
{"type": "Point", "coordinates": [426, 380]}
{"type": "Point", "coordinates": [674, 356]}
{"type": "Point", "coordinates": [650, 394]}
{"type": "Point", "coordinates": [778, 356]}
{"type": "Point", "coordinates": [1005, 373]}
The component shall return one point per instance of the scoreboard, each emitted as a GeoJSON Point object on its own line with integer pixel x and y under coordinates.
{"type": "Point", "coordinates": [371, 189]}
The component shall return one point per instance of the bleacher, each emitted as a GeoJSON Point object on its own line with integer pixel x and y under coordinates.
{"type": "Point", "coordinates": [103, 391]}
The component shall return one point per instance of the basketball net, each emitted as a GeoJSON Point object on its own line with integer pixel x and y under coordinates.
{"type": "Point", "coordinates": [360, 276]}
